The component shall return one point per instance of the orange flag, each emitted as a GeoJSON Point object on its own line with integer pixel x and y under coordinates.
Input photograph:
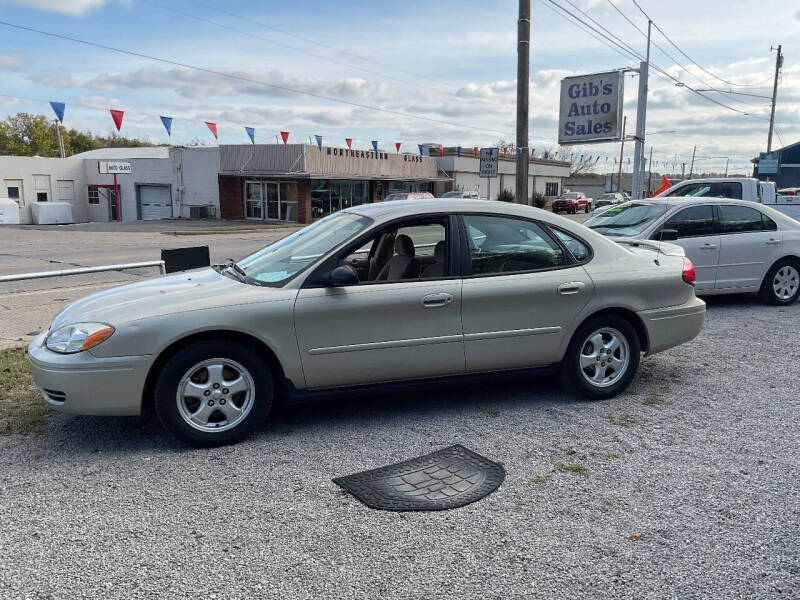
{"type": "Point", "coordinates": [665, 185]}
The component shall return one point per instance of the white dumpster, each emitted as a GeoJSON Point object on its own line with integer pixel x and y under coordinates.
{"type": "Point", "coordinates": [9, 212]}
{"type": "Point", "coordinates": [51, 213]}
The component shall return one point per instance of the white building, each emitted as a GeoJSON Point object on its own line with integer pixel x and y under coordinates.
{"type": "Point", "coordinates": [544, 176]}
{"type": "Point", "coordinates": [163, 182]}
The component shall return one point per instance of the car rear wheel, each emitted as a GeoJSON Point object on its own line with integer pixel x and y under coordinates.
{"type": "Point", "coordinates": [213, 393]}
{"type": "Point", "coordinates": [781, 286]}
{"type": "Point", "coordinates": [602, 358]}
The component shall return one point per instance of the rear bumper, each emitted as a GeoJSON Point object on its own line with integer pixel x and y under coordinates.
{"type": "Point", "coordinates": [84, 384]}
{"type": "Point", "coordinates": [674, 325]}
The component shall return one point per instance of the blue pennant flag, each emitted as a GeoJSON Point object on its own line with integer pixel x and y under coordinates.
{"type": "Point", "coordinates": [458, 150]}
{"type": "Point", "coordinates": [251, 133]}
{"type": "Point", "coordinates": [375, 145]}
{"type": "Point", "coordinates": [420, 149]}
{"type": "Point", "coordinates": [546, 154]}
{"type": "Point", "coordinates": [58, 108]}
{"type": "Point", "coordinates": [167, 121]}
{"type": "Point", "coordinates": [319, 141]}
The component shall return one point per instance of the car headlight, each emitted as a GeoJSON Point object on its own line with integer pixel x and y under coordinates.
{"type": "Point", "coordinates": [78, 337]}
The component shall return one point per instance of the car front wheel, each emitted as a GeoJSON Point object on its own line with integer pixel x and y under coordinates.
{"type": "Point", "coordinates": [213, 393]}
{"type": "Point", "coordinates": [602, 358]}
{"type": "Point", "coordinates": [781, 286]}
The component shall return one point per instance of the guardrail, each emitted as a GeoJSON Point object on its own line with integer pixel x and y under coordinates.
{"type": "Point", "coordinates": [84, 270]}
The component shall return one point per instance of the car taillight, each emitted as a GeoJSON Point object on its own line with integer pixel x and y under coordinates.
{"type": "Point", "coordinates": [688, 271]}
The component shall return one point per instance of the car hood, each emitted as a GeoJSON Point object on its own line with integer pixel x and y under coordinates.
{"type": "Point", "coordinates": [187, 291]}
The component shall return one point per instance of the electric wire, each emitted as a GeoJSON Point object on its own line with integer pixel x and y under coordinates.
{"type": "Point", "coordinates": [235, 77]}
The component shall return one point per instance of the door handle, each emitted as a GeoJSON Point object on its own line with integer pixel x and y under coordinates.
{"type": "Point", "coordinates": [571, 288]}
{"type": "Point", "coordinates": [708, 246]}
{"type": "Point", "coordinates": [436, 300]}
{"type": "Point", "coordinates": [773, 242]}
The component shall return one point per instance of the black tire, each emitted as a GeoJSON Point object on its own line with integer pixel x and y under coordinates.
{"type": "Point", "coordinates": [571, 374]}
{"type": "Point", "coordinates": [574, 210]}
{"type": "Point", "coordinates": [587, 209]}
{"type": "Point", "coordinates": [767, 292]}
{"type": "Point", "coordinates": [260, 399]}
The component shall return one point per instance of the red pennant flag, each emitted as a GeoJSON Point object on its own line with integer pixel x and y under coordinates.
{"type": "Point", "coordinates": [475, 150]}
{"type": "Point", "coordinates": [397, 145]}
{"type": "Point", "coordinates": [533, 152]}
{"type": "Point", "coordinates": [441, 150]}
{"type": "Point", "coordinates": [349, 143]}
{"type": "Point", "coordinates": [505, 149]}
{"type": "Point", "coordinates": [117, 116]}
{"type": "Point", "coordinates": [665, 185]}
{"type": "Point", "coordinates": [212, 127]}
{"type": "Point", "coordinates": [284, 136]}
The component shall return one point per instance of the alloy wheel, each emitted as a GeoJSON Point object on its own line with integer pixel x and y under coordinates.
{"type": "Point", "coordinates": [786, 282]}
{"type": "Point", "coordinates": [215, 395]}
{"type": "Point", "coordinates": [604, 357]}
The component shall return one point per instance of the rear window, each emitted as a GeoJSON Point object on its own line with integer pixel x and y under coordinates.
{"type": "Point", "coordinates": [627, 219]}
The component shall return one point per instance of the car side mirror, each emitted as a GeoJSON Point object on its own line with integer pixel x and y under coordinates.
{"type": "Point", "coordinates": [668, 235]}
{"type": "Point", "coordinates": [343, 275]}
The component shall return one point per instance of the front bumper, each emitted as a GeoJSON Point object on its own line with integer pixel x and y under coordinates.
{"type": "Point", "coordinates": [84, 384]}
{"type": "Point", "coordinates": [673, 325]}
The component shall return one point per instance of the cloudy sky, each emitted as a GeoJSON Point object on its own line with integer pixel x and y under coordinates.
{"type": "Point", "coordinates": [451, 64]}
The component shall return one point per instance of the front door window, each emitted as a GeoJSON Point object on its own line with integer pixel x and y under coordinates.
{"type": "Point", "coordinates": [273, 205]}
{"type": "Point", "coordinates": [254, 200]}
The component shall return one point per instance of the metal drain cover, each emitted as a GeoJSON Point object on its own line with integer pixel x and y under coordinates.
{"type": "Point", "coordinates": [447, 478]}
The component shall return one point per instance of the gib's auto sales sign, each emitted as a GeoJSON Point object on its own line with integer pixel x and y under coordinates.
{"type": "Point", "coordinates": [591, 108]}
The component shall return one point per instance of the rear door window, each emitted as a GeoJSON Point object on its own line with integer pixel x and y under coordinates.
{"type": "Point", "coordinates": [740, 219]}
{"type": "Point", "coordinates": [692, 222]}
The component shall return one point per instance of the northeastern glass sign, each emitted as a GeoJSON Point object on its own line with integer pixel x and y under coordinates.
{"type": "Point", "coordinates": [591, 108]}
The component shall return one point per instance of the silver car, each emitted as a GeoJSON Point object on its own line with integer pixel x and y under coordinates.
{"type": "Point", "coordinates": [392, 295]}
{"type": "Point", "coordinates": [736, 246]}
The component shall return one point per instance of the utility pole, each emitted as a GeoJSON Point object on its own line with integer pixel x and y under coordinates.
{"type": "Point", "coordinates": [523, 81]}
{"type": "Point", "coordinates": [641, 118]}
{"type": "Point", "coordinates": [59, 138]}
{"type": "Point", "coordinates": [778, 64]}
{"type": "Point", "coordinates": [621, 151]}
{"type": "Point", "coordinates": [650, 172]}
{"type": "Point", "coordinates": [726, 166]}
{"type": "Point", "coordinates": [683, 170]}
{"type": "Point", "coordinates": [691, 168]}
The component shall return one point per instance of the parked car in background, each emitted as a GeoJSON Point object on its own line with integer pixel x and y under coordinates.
{"type": "Point", "coordinates": [572, 202]}
{"type": "Point", "coordinates": [407, 196]}
{"type": "Point", "coordinates": [464, 194]}
{"type": "Point", "coordinates": [385, 293]}
{"type": "Point", "coordinates": [735, 246]}
{"type": "Point", "coordinates": [604, 201]}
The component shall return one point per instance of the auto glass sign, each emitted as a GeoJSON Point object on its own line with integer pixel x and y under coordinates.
{"type": "Point", "coordinates": [113, 166]}
{"type": "Point", "coordinates": [591, 108]}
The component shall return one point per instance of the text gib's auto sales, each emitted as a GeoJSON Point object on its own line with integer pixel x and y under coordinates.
{"type": "Point", "coordinates": [591, 108]}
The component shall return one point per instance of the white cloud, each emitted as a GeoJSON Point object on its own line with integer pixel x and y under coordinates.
{"type": "Point", "coordinates": [12, 63]}
{"type": "Point", "coordinates": [70, 7]}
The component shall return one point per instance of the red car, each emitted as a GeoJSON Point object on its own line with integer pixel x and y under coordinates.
{"type": "Point", "coordinates": [572, 202]}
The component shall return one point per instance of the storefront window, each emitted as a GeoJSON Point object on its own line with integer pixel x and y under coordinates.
{"type": "Point", "coordinates": [288, 201]}
{"type": "Point", "coordinates": [254, 200]}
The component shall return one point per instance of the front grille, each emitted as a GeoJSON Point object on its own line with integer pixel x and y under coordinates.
{"type": "Point", "coordinates": [55, 396]}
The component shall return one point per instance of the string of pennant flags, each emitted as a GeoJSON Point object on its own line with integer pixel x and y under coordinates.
{"type": "Point", "coordinates": [117, 116]}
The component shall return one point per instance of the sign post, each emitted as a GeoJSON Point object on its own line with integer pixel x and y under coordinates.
{"type": "Point", "coordinates": [114, 167]}
{"type": "Point", "coordinates": [489, 158]}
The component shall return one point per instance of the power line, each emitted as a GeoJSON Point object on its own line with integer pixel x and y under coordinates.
{"type": "Point", "coordinates": [317, 42]}
{"type": "Point", "coordinates": [247, 79]}
{"type": "Point", "coordinates": [293, 48]}
{"type": "Point", "coordinates": [694, 62]}
{"type": "Point", "coordinates": [663, 74]}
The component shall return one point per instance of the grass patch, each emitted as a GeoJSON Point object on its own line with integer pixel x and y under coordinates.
{"type": "Point", "coordinates": [613, 456]}
{"type": "Point", "coordinates": [654, 399]}
{"type": "Point", "coordinates": [574, 468]}
{"type": "Point", "coordinates": [541, 479]}
{"type": "Point", "coordinates": [624, 420]}
{"type": "Point", "coordinates": [22, 409]}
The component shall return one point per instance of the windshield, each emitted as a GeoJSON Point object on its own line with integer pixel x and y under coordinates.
{"type": "Point", "coordinates": [287, 257]}
{"type": "Point", "coordinates": [453, 195]}
{"type": "Point", "coordinates": [626, 219]}
{"type": "Point", "coordinates": [571, 196]}
{"type": "Point", "coordinates": [607, 197]}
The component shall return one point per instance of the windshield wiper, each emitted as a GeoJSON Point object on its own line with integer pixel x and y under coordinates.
{"type": "Point", "coordinates": [232, 266]}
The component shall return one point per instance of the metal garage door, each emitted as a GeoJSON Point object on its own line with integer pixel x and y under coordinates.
{"type": "Point", "coordinates": [156, 202]}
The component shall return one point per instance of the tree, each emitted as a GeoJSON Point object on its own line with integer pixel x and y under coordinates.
{"type": "Point", "coordinates": [505, 195]}
{"type": "Point", "coordinates": [538, 200]}
{"type": "Point", "coordinates": [578, 158]}
{"type": "Point", "coordinates": [26, 135]}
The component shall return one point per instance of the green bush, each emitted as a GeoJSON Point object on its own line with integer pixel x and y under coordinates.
{"type": "Point", "coordinates": [505, 196]}
{"type": "Point", "coordinates": [538, 200]}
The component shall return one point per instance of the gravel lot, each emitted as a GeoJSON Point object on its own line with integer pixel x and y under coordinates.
{"type": "Point", "coordinates": [691, 491]}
